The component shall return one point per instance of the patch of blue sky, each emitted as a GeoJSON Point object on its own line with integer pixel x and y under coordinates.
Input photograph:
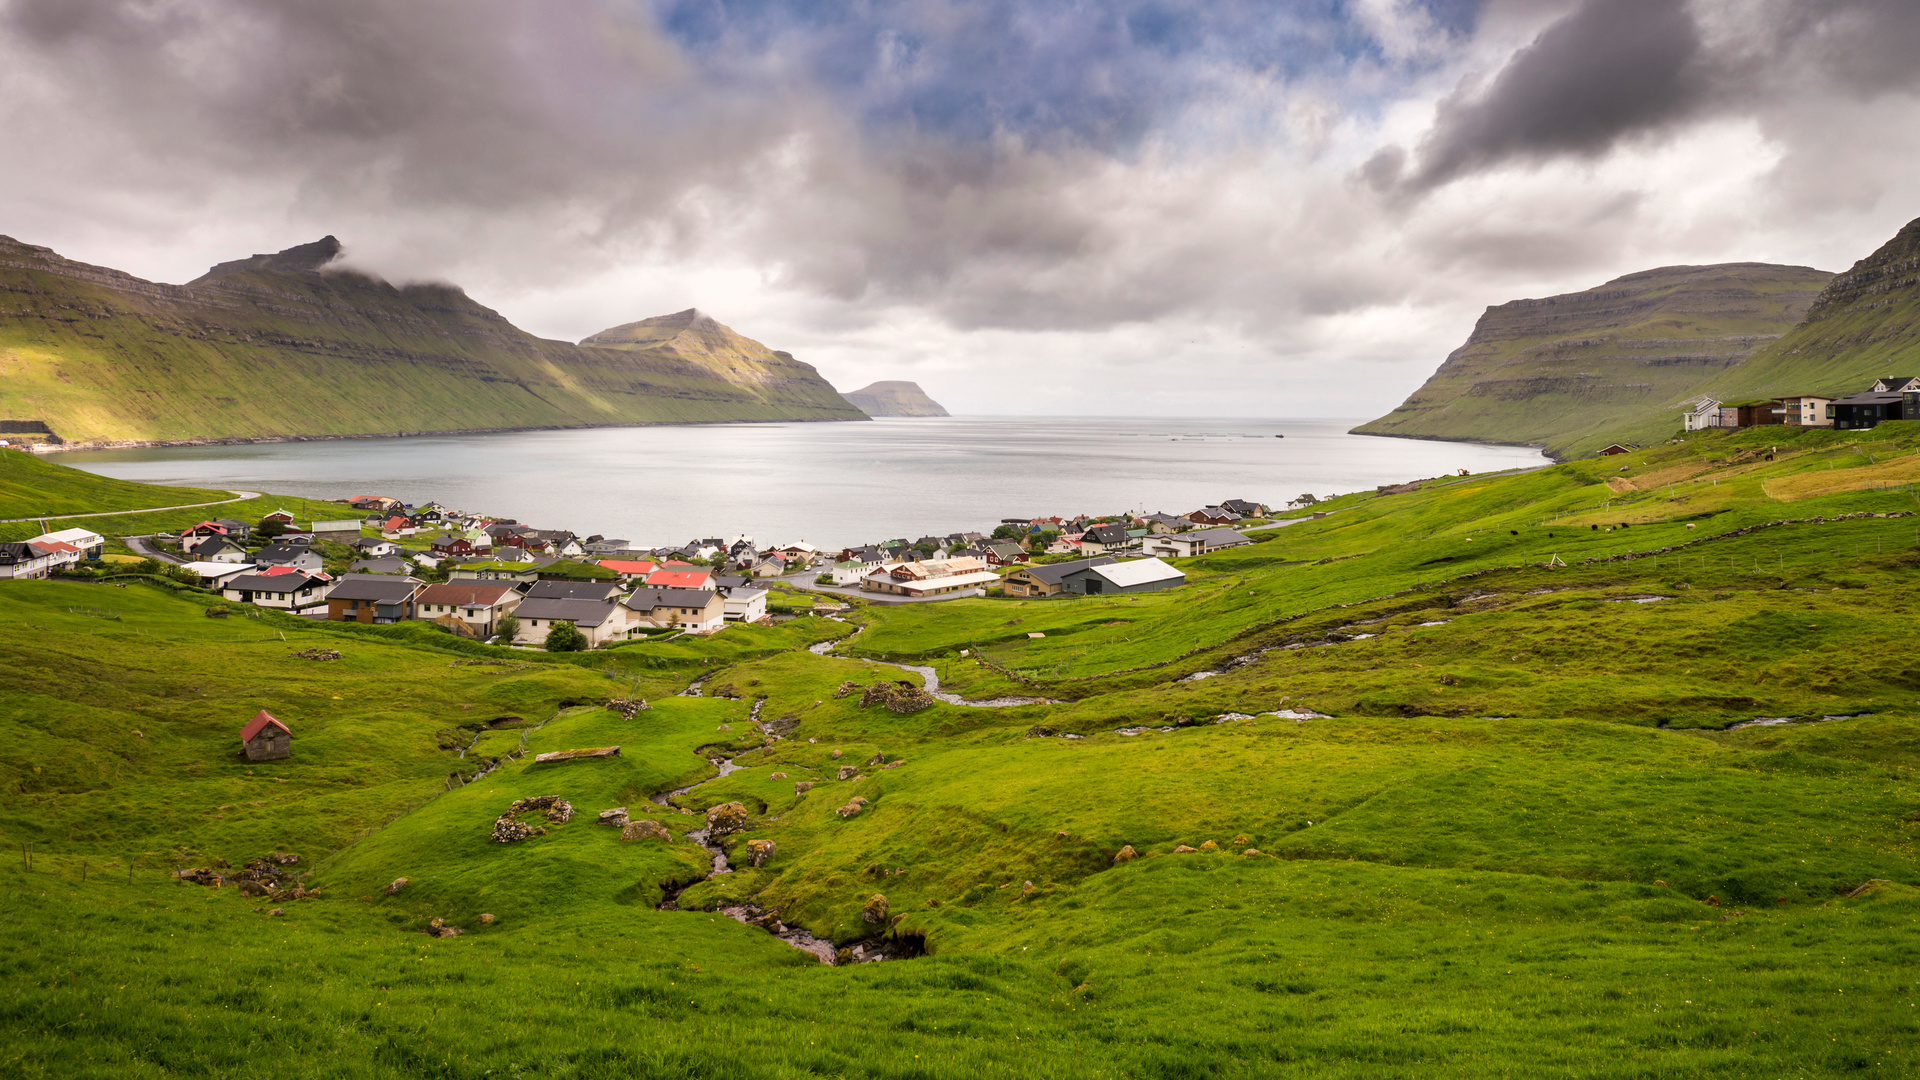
{"type": "Point", "coordinates": [1104, 75]}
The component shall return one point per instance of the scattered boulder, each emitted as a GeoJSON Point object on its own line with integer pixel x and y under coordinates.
{"type": "Point", "coordinates": [508, 831]}
{"type": "Point", "coordinates": [201, 875]}
{"type": "Point", "coordinates": [848, 810]}
{"type": "Point", "coordinates": [875, 910]}
{"type": "Point", "coordinates": [1125, 854]}
{"type": "Point", "coordinates": [443, 931]}
{"type": "Point", "coordinates": [1184, 850]}
{"type": "Point", "coordinates": [1242, 840]}
{"type": "Point", "coordinates": [845, 689]}
{"type": "Point", "coordinates": [895, 763]}
{"type": "Point", "coordinates": [395, 885]}
{"type": "Point", "coordinates": [1026, 888]}
{"type": "Point", "coordinates": [835, 755]}
{"type": "Point", "coordinates": [616, 817]}
{"type": "Point", "coordinates": [848, 772]}
{"type": "Point", "coordinates": [1209, 846]}
{"type": "Point", "coordinates": [726, 818]}
{"type": "Point", "coordinates": [486, 919]}
{"type": "Point", "coordinates": [759, 851]}
{"type": "Point", "coordinates": [277, 911]}
{"type": "Point", "coordinates": [645, 829]}
{"type": "Point", "coordinates": [778, 776]}
{"type": "Point", "coordinates": [878, 759]}
{"type": "Point", "coordinates": [1251, 851]}
{"type": "Point", "coordinates": [801, 786]}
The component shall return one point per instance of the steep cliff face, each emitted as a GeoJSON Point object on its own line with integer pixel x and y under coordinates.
{"type": "Point", "coordinates": [1572, 373]}
{"type": "Point", "coordinates": [286, 345]}
{"type": "Point", "coordinates": [1864, 325]}
{"type": "Point", "coordinates": [894, 398]}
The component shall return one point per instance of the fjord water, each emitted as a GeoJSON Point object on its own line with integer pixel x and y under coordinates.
{"type": "Point", "coordinates": [829, 484]}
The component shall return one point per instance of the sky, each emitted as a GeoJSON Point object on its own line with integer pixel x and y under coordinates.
{"type": "Point", "coordinates": [1130, 207]}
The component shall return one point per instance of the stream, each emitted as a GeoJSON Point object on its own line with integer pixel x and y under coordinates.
{"type": "Point", "coordinates": [821, 948]}
{"type": "Point", "coordinates": [932, 677]}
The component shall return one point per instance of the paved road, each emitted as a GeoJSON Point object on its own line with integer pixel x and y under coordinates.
{"type": "Point", "coordinates": [141, 545]}
{"type": "Point", "coordinates": [238, 496]}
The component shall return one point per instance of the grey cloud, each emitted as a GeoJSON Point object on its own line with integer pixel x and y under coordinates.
{"type": "Point", "coordinates": [1612, 71]}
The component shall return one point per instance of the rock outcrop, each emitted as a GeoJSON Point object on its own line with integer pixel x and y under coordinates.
{"type": "Point", "coordinates": [726, 818]}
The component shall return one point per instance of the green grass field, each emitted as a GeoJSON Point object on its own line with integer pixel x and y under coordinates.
{"type": "Point", "coordinates": [1521, 824]}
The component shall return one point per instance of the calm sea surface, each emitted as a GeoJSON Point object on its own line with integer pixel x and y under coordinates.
{"type": "Point", "coordinates": [830, 484]}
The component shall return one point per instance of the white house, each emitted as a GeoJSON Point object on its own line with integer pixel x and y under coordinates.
{"type": "Point", "coordinates": [1198, 542]}
{"type": "Point", "coordinates": [849, 572]}
{"type": "Point", "coordinates": [291, 590]}
{"type": "Point", "coordinates": [215, 575]}
{"type": "Point", "coordinates": [1702, 414]}
{"type": "Point", "coordinates": [745, 605]}
{"type": "Point", "coordinates": [90, 543]}
{"type": "Point", "coordinates": [597, 620]}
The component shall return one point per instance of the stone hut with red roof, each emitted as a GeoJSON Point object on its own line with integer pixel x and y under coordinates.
{"type": "Point", "coordinates": [266, 738]}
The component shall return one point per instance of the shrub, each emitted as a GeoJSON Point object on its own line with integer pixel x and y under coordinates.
{"type": "Point", "coordinates": [566, 637]}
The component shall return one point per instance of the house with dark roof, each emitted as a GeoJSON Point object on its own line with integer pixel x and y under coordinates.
{"type": "Point", "coordinates": [388, 565]}
{"type": "Point", "coordinates": [265, 738]}
{"type": "Point", "coordinates": [215, 549]}
{"type": "Point", "coordinates": [1103, 539]}
{"type": "Point", "coordinates": [596, 619]}
{"type": "Point", "coordinates": [286, 589]}
{"type": "Point", "coordinates": [1246, 508]}
{"type": "Point", "coordinates": [372, 598]}
{"type": "Point", "coordinates": [1859, 412]}
{"type": "Point", "coordinates": [299, 556]}
{"type": "Point", "coordinates": [375, 547]}
{"type": "Point", "coordinates": [1213, 515]}
{"type": "Point", "coordinates": [605, 591]}
{"type": "Point", "coordinates": [698, 611]}
{"type": "Point", "coordinates": [26, 559]}
{"type": "Point", "coordinates": [1046, 580]}
{"type": "Point", "coordinates": [1197, 542]}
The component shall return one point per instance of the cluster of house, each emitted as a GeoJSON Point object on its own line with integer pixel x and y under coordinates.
{"type": "Point", "coordinates": [611, 591]}
{"type": "Point", "coordinates": [1887, 399]}
{"type": "Point", "coordinates": [47, 553]}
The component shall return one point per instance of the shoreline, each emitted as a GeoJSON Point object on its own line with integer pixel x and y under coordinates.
{"type": "Point", "coordinates": [253, 440]}
{"type": "Point", "coordinates": [1536, 447]}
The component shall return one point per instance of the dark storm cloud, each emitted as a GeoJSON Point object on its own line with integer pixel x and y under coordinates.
{"type": "Point", "coordinates": [1612, 71]}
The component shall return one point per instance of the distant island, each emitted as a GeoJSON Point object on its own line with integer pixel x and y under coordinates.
{"type": "Point", "coordinates": [293, 346]}
{"type": "Point", "coordinates": [894, 398]}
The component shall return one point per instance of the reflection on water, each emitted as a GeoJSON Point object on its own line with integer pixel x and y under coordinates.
{"type": "Point", "coordinates": [829, 484]}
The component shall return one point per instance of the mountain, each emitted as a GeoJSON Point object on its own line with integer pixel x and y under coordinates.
{"type": "Point", "coordinates": [290, 345]}
{"type": "Point", "coordinates": [1572, 373]}
{"type": "Point", "coordinates": [894, 398]}
{"type": "Point", "coordinates": [1864, 325]}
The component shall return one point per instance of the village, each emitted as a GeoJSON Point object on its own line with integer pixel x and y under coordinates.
{"type": "Point", "coordinates": [498, 580]}
{"type": "Point", "coordinates": [1893, 398]}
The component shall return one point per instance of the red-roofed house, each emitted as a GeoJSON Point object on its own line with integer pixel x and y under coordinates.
{"type": "Point", "coordinates": [396, 527]}
{"type": "Point", "coordinates": [266, 739]}
{"type": "Point", "coordinates": [679, 579]}
{"type": "Point", "coordinates": [628, 569]}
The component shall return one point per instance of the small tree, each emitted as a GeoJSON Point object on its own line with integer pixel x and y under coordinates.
{"type": "Point", "coordinates": [566, 637]}
{"type": "Point", "coordinates": [1009, 532]}
{"type": "Point", "coordinates": [269, 528]}
{"type": "Point", "coordinates": [508, 629]}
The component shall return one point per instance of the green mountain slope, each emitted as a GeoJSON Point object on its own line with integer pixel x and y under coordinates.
{"type": "Point", "coordinates": [285, 345]}
{"type": "Point", "coordinates": [895, 398]}
{"type": "Point", "coordinates": [1865, 325]}
{"type": "Point", "coordinates": [1572, 373]}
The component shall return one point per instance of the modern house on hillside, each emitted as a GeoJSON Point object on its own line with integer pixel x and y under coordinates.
{"type": "Point", "coordinates": [1104, 540]}
{"type": "Point", "coordinates": [1805, 410]}
{"type": "Point", "coordinates": [90, 543]}
{"type": "Point", "coordinates": [1703, 414]}
{"type": "Point", "coordinates": [1197, 542]}
{"type": "Point", "coordinates": [698, 611]}
{"type": "Point", "coordinates": [1866, 410]}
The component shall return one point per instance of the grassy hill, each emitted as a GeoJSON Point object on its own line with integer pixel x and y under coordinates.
{"type": "Point", "coordinates": [1865, 325]}
{"type": "Point", "coordinates": [285, 345]}
{"type": "Point", "coordinates": [895, 398]}
{"type": "Point", "coordinates": [1460, 780]}
{"type": "Point", "coordinates": [1573, 373]}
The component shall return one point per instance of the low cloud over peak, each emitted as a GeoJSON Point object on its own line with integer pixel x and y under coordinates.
{"type": "Point", "coordinates": [934, 189]}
